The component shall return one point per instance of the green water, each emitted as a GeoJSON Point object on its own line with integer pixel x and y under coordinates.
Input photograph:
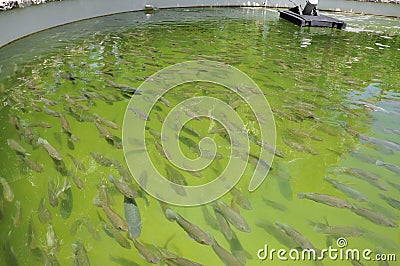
{"type": "Point", "coordinates": [325, 72]}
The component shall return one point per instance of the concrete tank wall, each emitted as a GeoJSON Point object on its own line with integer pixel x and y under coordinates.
{"type": "Point", "coordinates": [20, 22]}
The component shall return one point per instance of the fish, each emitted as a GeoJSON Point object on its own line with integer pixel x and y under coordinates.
{"type": "Point", "coordinates": [191, 131]}
{"type": "Point", "coordinates": [301, 240]}
{"type": "Point", "coordinates": [241, 199]}
{"type": "Point", "coordinates": [40, 124]}
{"type": "Point", "coordinates": [223, 225]}
{"type": "Point", "coordinates": [78, 181]}
{"type": "Point", "coordinates": [208, 218]}
{"type": "Point", "coordinates": [79, 165]}
{"type": "Point", "coordinates": [391, 201]}
{"type": "Point", "coordinates": [191, 229]}
{"type": "Point", "coordinates": [225, 256]}
{"type": "Point", "coordinates": [363, 175]}
{"type": "Point", "coordinates": [191, 144]}
{"type": "Point", "coordinates": [278, 234]}
{"type": "Point", "coordinates": [126, 175]}
{"type": "Point", "coordinates": [101, 159]}
{"type": "Point", "coordinates": [75, 226]}
{"type": "Point", "coordinates": [299, 147]}
{"type": "Point", "coordinates": [349, 191]}
{"type": "Point", "coordinates": [232, 216]}
{"type": "Point", "coordinates": [18, 216]}
{"type": "Point", "coordinates": [114, 217]}
{"type": "Point", "coordinates": [50, 149]}
{"type": "Point", "coordinates": [177, 179]}
{"type": "Point", "coordinates": [74, 103]}
{"type": "Point", "coordinates": [339, 230]}
{"type": "Point", "coordinates": [52, 240]}
{"type": "Point", "coordinates": [8, 193]}
{"type": "Point", "coordinates": [32, 235]}
{"type": "Point", "coordinates": [31, 164]}
{"type": "Point", "coordinates": [132, 216]}
{"type": "Point", "coordinates": [51, 112]}
{"type": "Point", "coordinates": [173, 259]}
{"type": "Point", "coordinates": [47, 101]}
{"type": "Point", "coordinates": [394, 185]}
{"type": "Point", "coordinates": [106, 122]}
{"type": "Point", "coordinates": [14, 145]}
{"type": "Point", "coordinates": [145, 252]}
{"type": "Point", "coordinates": [363, 157]}
{"type": "Point", "coordinates": [66, 203]}
{"type": "Point", "coordinates": [116, 234]}
{"type": "Point", "coordinates": [139, 113]}
{"type": "Point", "coordinates": [326, 199]}
{"type": "Point", "coordinates": [304, 134]}
{"type": "Point", "coordinates": [64, 123]}
{"type": "Point", "coordinates": [123, 188]}
{"type": "Point", "coordinates": [165, 101]}
{"type": "Point", "coordinates": [104, 132]}
{"type": "Point", "coordinates": [237, 249]}
{"type": "Point", "coordinates": [81, 257]}
{"type": "Point", "coordinates": [275, 205]}
{"type": "Point", "coordinates": [373, 216]}
{"type": "Point", "coordinates": [390, 167]}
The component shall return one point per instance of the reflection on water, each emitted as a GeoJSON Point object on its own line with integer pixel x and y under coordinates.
{"type": "Point", "coordinates": [336, 103]}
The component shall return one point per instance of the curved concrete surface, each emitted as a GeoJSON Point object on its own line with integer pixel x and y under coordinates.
{"type": "Point", "coordinates": [21, 22]}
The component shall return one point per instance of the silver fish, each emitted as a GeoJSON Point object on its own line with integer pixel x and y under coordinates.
{"type": "Point", "coordinates": [349, 191]}
{"type": "Point", "coordinates": [390, 167]}
{"type": "Point", "coordinates": [232, 216]}
{"type": "Point", "coordinates": [124, 188]}
{"type": "Point", "coordinates": [223, 225]}
{"type": "Point", "coordinates": [116, 234]}
{"type": "Point", "coordinates": [139, 113]}
{"type": "Point", "coordinates": [50, 149]}
{"type": "Point", "coordinates": [14, 145]}
{"type": "Point", "coordinates": [241, 199]}
{"type": "Point", "coordinates": [191, 229]}
{"type": "Point", "coordinates": [145, 252]}
{"type": "Point", "coordinates": [226, 257]}
{"type": "Point", "coordinates": [8, 193]}
{"type": "Point", "coordinates": [114, 217]}
{"type": "Point", "coordinates": [301, 240]}
{"type": "Point", "coordinates": [326, 199]}
{"type": "Point", "coordinates": [391, 201]}
{"type": "Point", "coordinates": [374, 216]}
{"type": "Point", "coordinates": [173, 259]}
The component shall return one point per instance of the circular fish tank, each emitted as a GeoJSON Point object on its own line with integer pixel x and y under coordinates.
{"type": "Point", "coordinates": [71, 195]}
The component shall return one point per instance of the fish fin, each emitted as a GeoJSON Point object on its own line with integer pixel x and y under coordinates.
{"type": "Point", "coordinates": [111, 178]}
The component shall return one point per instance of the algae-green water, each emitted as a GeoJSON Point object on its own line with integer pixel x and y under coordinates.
{"type": "Point", "coordinates": [335, 99]}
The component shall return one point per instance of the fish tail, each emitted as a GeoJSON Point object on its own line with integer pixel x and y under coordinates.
{"type": "Point", "coordinates": [379, 163]}
{"type": "Point", "coordinates": [170, 214]}
{"type": "Point", "coordinates": [301, 195]}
